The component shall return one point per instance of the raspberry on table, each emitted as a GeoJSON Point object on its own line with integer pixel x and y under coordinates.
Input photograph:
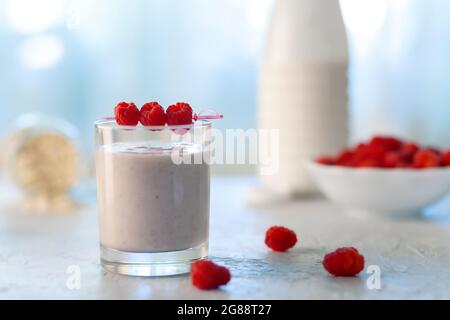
{"type": "Point", "coordinates": [152, 114]}
{"type": "Point", "coordinates": [426, 158]}
{"type": "Point", "coordinates": [179, 114]}
{"type": "Point", "coordinates": [280, 238]}
{"type": "Point", "coordinates": [207, 275]}
{"type": "Point", "coordinates": [127, 114]}
{"type": "Point", "coordinates": [344, 262]}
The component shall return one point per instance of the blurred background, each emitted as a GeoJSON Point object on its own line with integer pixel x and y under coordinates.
{"type": "Point", "coordinates": [76, 59]}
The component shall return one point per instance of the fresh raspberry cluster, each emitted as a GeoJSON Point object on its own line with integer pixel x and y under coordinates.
{"type": "Point", "coordinates": [389, 152]}
{"type": "Point", "coordinates": [344, 262]}
{"type": "Point", "coordinates": [153, 114]}
{"type": "Point", "coordinates": [280, 238]}
{"type": "Point", "coordinates": [207, 275]}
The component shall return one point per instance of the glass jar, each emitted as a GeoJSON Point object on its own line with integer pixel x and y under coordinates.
{"type": "Point", "coordinates": [42, 158]}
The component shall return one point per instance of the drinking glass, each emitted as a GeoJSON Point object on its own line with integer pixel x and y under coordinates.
{"type": "Point", "coordinates": [153, 187]}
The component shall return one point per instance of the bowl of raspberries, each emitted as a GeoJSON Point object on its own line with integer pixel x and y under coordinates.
{"type": "Point", "coordinates": [384, 175]}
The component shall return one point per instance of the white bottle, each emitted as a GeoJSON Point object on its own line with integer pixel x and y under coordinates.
{"type": "Point", "coordinates": [303, 88]}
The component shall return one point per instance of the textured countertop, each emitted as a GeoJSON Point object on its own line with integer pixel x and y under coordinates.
{"type": "Point", "coordinates": [40, 253]}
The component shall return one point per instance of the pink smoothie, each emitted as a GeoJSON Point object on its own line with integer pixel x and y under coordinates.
{"type": "Point", "coordinates": [147, 203]}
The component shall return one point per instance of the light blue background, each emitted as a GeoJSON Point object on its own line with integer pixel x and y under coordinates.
{"type": "Point", "coordinates": [207, 52]}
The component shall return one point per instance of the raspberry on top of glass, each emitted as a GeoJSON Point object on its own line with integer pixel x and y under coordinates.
{"type": "Point", "coordinates": [153, 114]}
{"type": "Point", "coordinates": [389, 153]}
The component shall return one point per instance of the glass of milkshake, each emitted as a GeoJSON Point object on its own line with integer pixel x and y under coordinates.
{"type": "Point", "coordinates": [153, 196]}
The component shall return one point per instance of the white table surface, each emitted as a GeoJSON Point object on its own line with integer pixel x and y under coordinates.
{"type": "Point", "coordinates": [413, 254]}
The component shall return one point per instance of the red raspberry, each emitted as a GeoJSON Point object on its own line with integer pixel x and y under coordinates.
{"type": "Point", "coordinates": [408, 151]}
{"type": "Point", "coordinates": [360, 147]}
{"type": "Point", "coordinates": [179, 114]}
{"type": "Point", "coordinates": [208, 275]}
{"type": "Point", "coordinates": [368, 156]}
{"type": "Point", "coordinates": [280, 238]}
{"type": "Point", "coordinates": [325, 160]}
{"type": "Point", "coordinates": [426, 158]}
{"type": "Point", "coordinates": [368, 163]}
{"type": "Point", "coordinates": [446, 159]}
{"type": "Point", "coordinates": [127, 114]}
{"type": "Point", "coordinates": [386, 142]}
{"type": "Point", "coordinates": [395, 159]}
{"type": "Point", "coordinates": [344, 262]}
{"type": "Point", "coordinates": [152, 114]}
{"type": "Point", "coordinates": [345, 158]}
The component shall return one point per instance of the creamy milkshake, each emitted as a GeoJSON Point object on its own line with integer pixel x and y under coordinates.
{"type": "Point", "coordinates": [149, 204]}
{"type": "Point", "coordinates": [153, 212]}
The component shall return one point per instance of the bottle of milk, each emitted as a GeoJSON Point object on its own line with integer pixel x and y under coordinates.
{"type": "Point", "coordinates": [303, 88]}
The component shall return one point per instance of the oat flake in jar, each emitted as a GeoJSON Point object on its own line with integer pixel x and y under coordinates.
{"type": "Point", "coordinates": [42, 159]}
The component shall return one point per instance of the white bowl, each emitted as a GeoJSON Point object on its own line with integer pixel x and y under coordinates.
{"type": "Point", "coordinates": [389, 191]}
